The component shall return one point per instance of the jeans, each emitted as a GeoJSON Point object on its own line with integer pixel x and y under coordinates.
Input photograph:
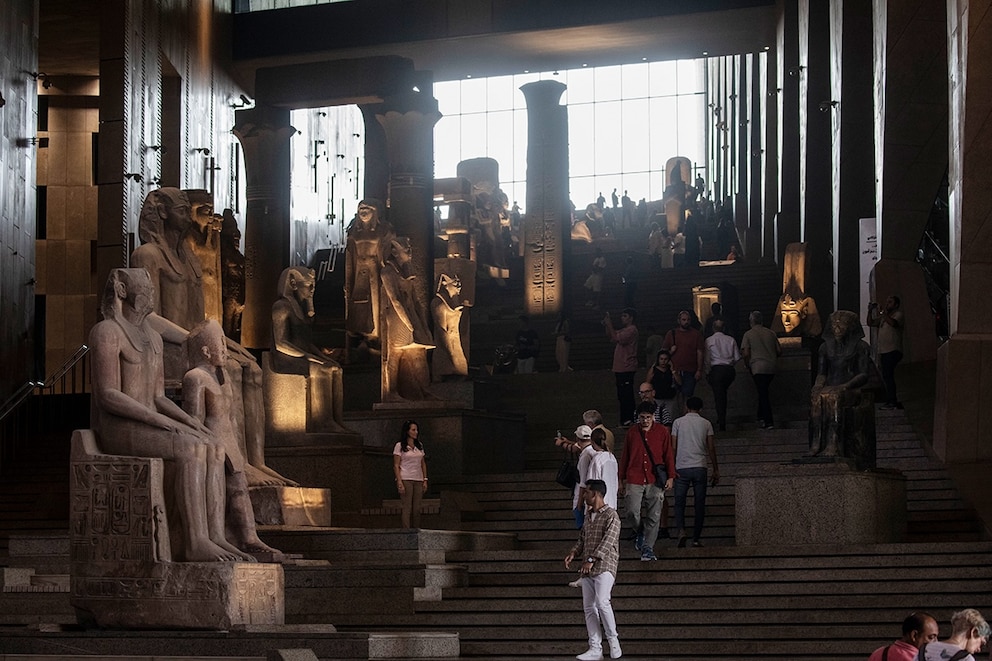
{"type": "Point", "coordinates": [720, 378]}
{"type": "Point", "coordinates": [688, 383]}
{"type": "Point", "coordinates": [696, 478]}
{"type": "Point", "coordinates": [761, 383]}
{"type": "Point", "coordinates": [625, 395]}
{"type": "Point", "coordinates": [888, 362]}
{"type": "Point", "coordinates": [596, 591]}
{"type": "Point", "coordinates": [652, 497]}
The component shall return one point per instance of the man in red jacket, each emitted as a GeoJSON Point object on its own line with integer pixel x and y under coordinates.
{"type": "Point", "coordinates": [646, 444]}
{"type": "Point", "coordinates": [686, 346]}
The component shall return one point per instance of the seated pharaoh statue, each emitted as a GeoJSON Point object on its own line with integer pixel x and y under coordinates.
{"type": "Point", "coordinates": [841, 419]}
{"type": "Point", "coordinates": [132, 416]}
{"type": "Point", "coordinates": [294, 352]}
{"type": "Point", "coordinates": [178, 306]}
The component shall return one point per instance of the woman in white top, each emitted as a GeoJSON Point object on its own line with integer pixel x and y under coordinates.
{"type": "Point", "coordinates": [410, 469]}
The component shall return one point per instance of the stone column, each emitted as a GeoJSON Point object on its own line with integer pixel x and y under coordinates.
{"type": "Point", "coordinates": [546, 228]}
{"type": "Point", "coordinates": [962, 421]}
{"type": "Point", "coordinates": [408, 123]}
{"type": "Point", "coordinates": [264, 133]}
{"type": "Point", "coordinates": [787, 225]}
{"type": "Point", "coordinates": [376, 160]}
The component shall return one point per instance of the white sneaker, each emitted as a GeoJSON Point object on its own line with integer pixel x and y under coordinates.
{"type": "Point", "coordinates": [591, 655]}
{"type": "Point", "coordinates": [615, 651]}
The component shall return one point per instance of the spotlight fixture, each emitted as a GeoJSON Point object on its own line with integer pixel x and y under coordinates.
{"type": "Point", "coordinates": [825, 106]}
{"type": "Point", "coordinates": [134, 176]}
{"type": "Point", "coordinates": [245, 101]}
{"type": "Point", "coordinates": [796, 71]}
{"type": "Point", "coordinates": [160, 148]}
{"type": "Point", "coordinates": [202, 150]}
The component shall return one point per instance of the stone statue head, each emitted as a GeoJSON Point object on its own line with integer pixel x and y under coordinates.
{"type": "Point", "coordinates": [230, 232]}
{"type": "Point", "coordinates": [164, 208]}
{"type": "Point", "coordinates": [843, 325]}
{"type": "Point", "coordinates": [131, 287]}
{"type": "Point", "coordinates": [205, 344]}
{"type": "Point", "coordinates": [296, 284]}
{"type": "Point", "coordinates": [201, 207]}
{"type": "Point", "coordinates": [368, 212]}
{"type": "Point", "coordinates": [451, 285]}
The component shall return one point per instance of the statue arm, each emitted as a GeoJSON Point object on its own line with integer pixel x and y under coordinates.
{"type": "Point", "coordinates": [280, 334]}
{"type": "Point", "coordinates": [171, 332]}
{"type": "Point", "coordinates": [171, 410]}
{"type": "Point", "coordinates": [390, 287]}
{"type": "Point", "coordinates": [194, 397]}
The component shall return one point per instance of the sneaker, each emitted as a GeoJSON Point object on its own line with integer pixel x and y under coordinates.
{"type": "Point", "coordinates": [639, 541]}
{"type": "Point", "coordinates": [682, 540]}
{"type": "Point", "coordinates": [577, 583]}
{"type": "Point", "coordinates": [696, 544]}
{"type": "Point", "coordinates": [647, 555]}
{"type": "Point", "coordinates": [615, 651]}
{"type": "Point", "coordinates": [768, 426]}
{"type": "Point", "coordinates": [591, 655]}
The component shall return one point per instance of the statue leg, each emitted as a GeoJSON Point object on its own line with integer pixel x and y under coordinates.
{"type": "Point", "coordinates": [190, 492]}
{"type": "Point", "coordinates": [241, 518]}
{"type": "Point", "coordinates": [254, 422]}
{"type": "Point", "coordinates": [216, 502]}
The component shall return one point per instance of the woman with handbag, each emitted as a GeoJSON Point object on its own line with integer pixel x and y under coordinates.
{"type": "Point", "coordinates": [410, 469]}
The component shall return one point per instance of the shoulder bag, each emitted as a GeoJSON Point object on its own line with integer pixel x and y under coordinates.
{"type": "Point", "coordinates": [568, 472]}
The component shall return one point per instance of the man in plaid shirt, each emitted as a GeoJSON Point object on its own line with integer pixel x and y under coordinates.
{"type": "Point", "coordinates": [599, 545]}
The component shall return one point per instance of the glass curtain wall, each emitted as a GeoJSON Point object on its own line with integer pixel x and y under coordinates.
{"type": "Point", "coordinates": [624, 123]}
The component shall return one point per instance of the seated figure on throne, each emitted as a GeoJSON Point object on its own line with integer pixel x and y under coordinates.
{"type": "Point", "coordinates": [132, 416]}
{"type": "Point", "coordinates": [841, 419]}
{"type": "Point", "coordinates": [293, 350]}
{"type": "Point", "coordinates": [176, 277]}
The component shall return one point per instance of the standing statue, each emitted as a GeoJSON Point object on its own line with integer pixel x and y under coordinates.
{"type": "Point", "coordinates": [365, 252]}
{"type": "Point", "coordinates": [408, 337]}
{"type": "Point", "coordinates": [446, 309]}
{"type": "Point", "coordinates": [178, 307]}
{"type": "Point", "coordinates": [293, 350]}
{"type": "Point", "coordinates": [133, 417]}
{"type": "Point", "coordinates": [232, 279]}
{"type": "Point", "coordinates": [208, 399]}
{"type": "Point", "coordinates": [841, 420]}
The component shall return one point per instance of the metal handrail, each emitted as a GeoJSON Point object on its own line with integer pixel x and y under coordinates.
{"type": "Point", "coordinates": [933, 242]}
{"type": "Point", "coordinates": [25, 390]}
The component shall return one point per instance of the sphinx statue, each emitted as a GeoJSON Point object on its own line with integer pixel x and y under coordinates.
{"type": "Point", "coordinates": [841, 420]}
{"type": "Point", "coordinates": [294, 352]}
{"type": "Point", "coordinates": [133, 417]}
{"type": "Point", "coordinates": [408, 336]}
{"type": "Point", "coordinates": [176, 277]}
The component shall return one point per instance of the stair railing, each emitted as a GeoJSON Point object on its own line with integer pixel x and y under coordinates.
{"type": "Point", "coordinates": [70, 378]}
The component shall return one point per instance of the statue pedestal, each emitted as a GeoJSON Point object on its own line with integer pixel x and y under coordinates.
{"type": "Point", "coordinates": [820, 503]}
{"type": "Point", "coordinates": [177, 595]}
{"type": "Point", "coordinates": [121, 567]}
{"type": "Point", "coordinates": [291, 506]}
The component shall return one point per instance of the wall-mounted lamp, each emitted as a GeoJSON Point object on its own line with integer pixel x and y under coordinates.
{"type": "Point", "coordinates": [825, 106]}
{"type": "Point", "coordinates": [797, 70]}
{"type": "Point", "coordinates": [160, 148]}
{"type": "Point", "coordinates": [43, 77]}
{"type": "Point", "coordinates": [356, 135]}
{"type": "Point", "coordinates": [157, 181]}
{"type": "Point", "coordinates": [340, 155]}
{"type": "Point", "coordinates": [245, 101]}
{"type": "Point", "coordinates": [202, 150]}
{"type": "Point", "coordinates": [134, 176]}
{"type": "Point", "coordinates": [42, 143]}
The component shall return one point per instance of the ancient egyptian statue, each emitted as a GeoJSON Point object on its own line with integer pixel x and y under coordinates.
{"type": "Point", "coordinates": [176, 276]}
{"type": "Point", "coordinates": [204, 240]}
{"type": "Point", "coordinates": [796, 313]}
{"type": "Point", "coordinates": [232, 263]}
{"type": "Point", "coordinates": [446, 309]}
{"type": "Point", "coordinates": [408, 336]}
{"type": "Point", "coordinates": [366, 249]}
{"type": "Point", "coordinates": [841, 420]}
{"type": "Point", "coordinates": [294, 352]}
{"type": "Point", "coordinates": [133, 417]}
{"type": "Point", "coordinates": [209, 398]}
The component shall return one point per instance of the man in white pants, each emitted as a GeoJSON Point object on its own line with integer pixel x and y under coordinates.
{"type": "Point", "coordinates": [599, 547]}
